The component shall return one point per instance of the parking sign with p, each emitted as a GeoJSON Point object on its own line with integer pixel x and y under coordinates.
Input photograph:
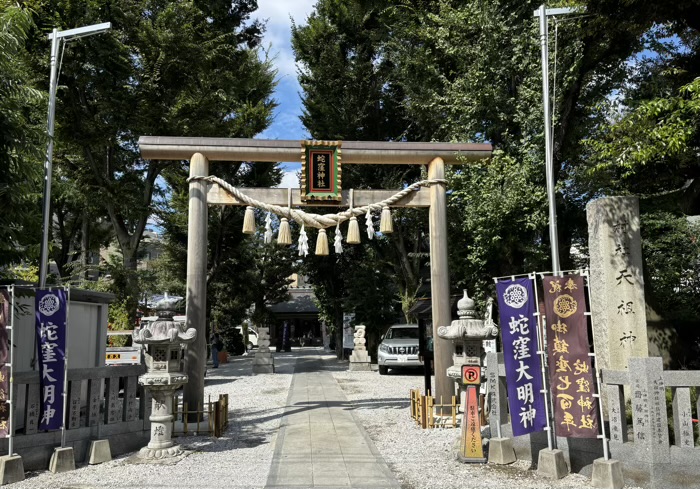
{"type": "Point", "coordinates": [471, 375]}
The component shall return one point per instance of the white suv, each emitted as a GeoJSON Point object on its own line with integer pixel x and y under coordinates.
{"type": "Point", "coordinates": [399, 348]}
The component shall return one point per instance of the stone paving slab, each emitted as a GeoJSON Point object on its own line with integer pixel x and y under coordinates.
{"type": "Point", "coordinates": [321, 444]}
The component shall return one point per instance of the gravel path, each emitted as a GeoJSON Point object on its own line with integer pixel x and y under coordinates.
{"type": "Point", "coordinates": [424, 458]}
{"type": "Point", "coordinates": [240, 458]}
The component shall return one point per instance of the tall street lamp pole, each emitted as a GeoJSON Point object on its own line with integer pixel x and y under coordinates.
{"type": "Point", "coordinates": [57, 37]}
{"type": "Point", "coordinates": [543, 13]}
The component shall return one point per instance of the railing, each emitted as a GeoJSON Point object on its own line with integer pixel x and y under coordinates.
{"type": "Point", "coordinates": [93, 398]}
{"type": "Point", "coordinates": [646, 383]}
{"type": "Point", "coordinates": [102, 402]}
{"type": "Point", "coordinates": [423, 411]}
{"type": "Point", "coordinates": [211, 419]}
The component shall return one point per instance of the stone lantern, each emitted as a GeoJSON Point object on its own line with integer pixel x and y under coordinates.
{"type": "Point", "coordinates": [469, 332]}
{"type": "Point", "coordinates": [163, 339]}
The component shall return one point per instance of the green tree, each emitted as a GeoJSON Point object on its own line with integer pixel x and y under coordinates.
{"type": "Point", "coordinates": [166, 68]}
{"type": "Point", "coordinates": [21, 140]}
{"type": "Point", "coordinates": [350, 92]}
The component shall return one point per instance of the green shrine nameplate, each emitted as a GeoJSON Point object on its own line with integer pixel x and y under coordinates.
{"type": "Point", "coordinates": [320, 170]}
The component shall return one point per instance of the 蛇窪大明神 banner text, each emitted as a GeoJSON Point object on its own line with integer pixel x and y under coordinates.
{"type": "Point", "coordinates": [518, 320]}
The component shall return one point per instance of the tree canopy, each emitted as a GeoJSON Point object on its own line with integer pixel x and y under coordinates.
{"type": "Point", "coordinates": [21, 139]}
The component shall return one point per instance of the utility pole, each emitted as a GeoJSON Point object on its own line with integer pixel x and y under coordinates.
{"type": "Point", "coordinates": [57, 37]}
{"type": "Point", "coordinates": [543, 13]}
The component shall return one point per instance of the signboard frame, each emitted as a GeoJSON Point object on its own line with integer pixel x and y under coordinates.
{"type": "Point", "coordinates": [321, 171]}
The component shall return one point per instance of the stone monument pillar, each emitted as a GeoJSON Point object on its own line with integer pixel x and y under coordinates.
{"type": "Point", "coordinates": [360, 360]}
{"type": "Point", "coordinates": [263, 361]}
{"type": "Point", "coordinates": [616, 282]}
{"type": "Point", "coordinates": [163, 339]}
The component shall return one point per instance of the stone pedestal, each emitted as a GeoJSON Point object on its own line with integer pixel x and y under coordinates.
{"type": "Point", "coordinates": [11, 469]}
{"type": "Point", "coordinates": [263, 361]}
{"type": "Point", "coordinates": [607, 474]}
{"type": "Point", "coordinates": [359, 359]}
{"type": "Point", "coordinates": [100, 452]}
{"type": "Point", "coordinates": [161, 418]}
{"type": "Point", "coordinates": [62, 460]}
{"type": "Point", "coordinates": [551, 464]}
{"type": "Point", "coordinates": [501, 451]}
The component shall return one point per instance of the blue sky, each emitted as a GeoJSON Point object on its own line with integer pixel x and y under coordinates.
{"type": "Point", "coordinates": [277, 42]}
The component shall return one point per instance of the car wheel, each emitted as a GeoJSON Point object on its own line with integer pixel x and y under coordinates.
{"type": "Point", "coordinates": [383, 370]}
{"type": "Point", "coordinates": [250, 346]}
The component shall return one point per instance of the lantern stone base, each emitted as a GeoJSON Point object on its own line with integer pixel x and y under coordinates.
{"type": "Point", "coordinates": [11, 469]}
{"type": "Point", "coordinates": [607, 474]}
{"type": "Point", "coordinates": [62, 460]}
{"type": "Point", "coordinates": [551, 464]}
{"type": "Point", "coordinates": [161, 453]}
{"type": "Point", "coordinates": [501, 451]}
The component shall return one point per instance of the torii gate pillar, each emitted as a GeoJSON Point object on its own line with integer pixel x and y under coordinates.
{"type": "Point", "coordinates": [196, 297]}
{"type": "Point", "coordinates": [440, 280]}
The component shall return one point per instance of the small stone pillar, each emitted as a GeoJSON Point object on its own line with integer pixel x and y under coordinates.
{"type": "Point", "coordinates": [163, 339]}
{"type": "Point", "coordinates": [360, 360]}
{"type": "Point", "coordinates": [263, 361]}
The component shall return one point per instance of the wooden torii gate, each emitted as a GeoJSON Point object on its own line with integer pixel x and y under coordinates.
{"type": "Point", "coordinates": [202, 150]}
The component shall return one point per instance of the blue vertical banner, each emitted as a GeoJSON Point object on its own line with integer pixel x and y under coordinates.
{"type": "Point", "coordinates": [51, 308]}
{"type": "Point", "coordinates": [518, 320]}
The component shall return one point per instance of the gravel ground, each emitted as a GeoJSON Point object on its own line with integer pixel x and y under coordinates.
{"type": "Point", "coordinates": [240, 458]}
{"type": "Point", "coordinates": [425, 458]}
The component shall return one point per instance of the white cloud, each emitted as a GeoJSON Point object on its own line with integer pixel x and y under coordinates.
{"type": "Point", "coordinates": [290, 179]}
{"type": "Point", "coordinates": [278, 35]}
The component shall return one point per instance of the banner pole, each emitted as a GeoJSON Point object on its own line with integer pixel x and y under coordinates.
{"type": "Point", "coordinates": [543, 362]}
{"type": "Point", "coordinates": [11, 427]}
{"type": "Point", "coordinates": [65, 371]}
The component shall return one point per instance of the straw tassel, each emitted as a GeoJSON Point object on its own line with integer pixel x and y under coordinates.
{"type": "Point", "coordinates": [322, 243]}
{"type": "Point", "coordinates": [249, 221]}
{"type": "Point", "coordinates": [353, 227]}
{"type": "Point", "coordinates": [386, 225]}
{"type": "Point", "coordinates": [338, 241]}
{"type": "Point", "coordinates": [285, 235]}
{"type": "Point", "coordinates": [353, 232]}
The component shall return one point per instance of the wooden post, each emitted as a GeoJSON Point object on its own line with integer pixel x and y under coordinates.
{"type": "Point", "coordinates": [440, 281]}
{"type": "Point", "coordinates": [196, 298]}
